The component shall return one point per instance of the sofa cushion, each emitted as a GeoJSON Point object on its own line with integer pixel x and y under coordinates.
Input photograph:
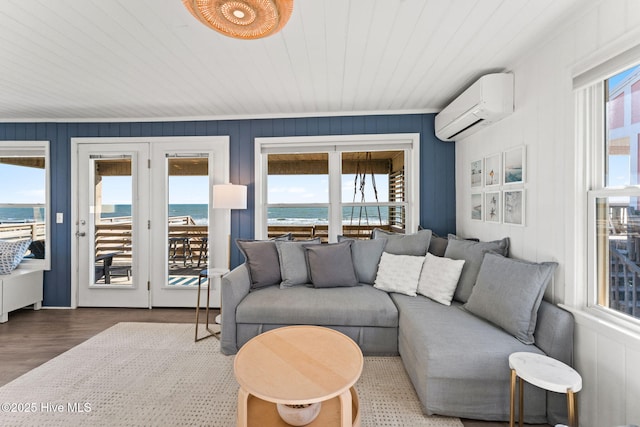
{"type": "Point", "coordinates": [508, 293]}
{"type": "Point", "coordinates": [399, 273]}
{"type": "Point", "coordinates": [293, 265]}
{"type": "Point", "coordinates": [11, 254]}
{"type": "Point", "coordinates": [300, 305]}
{"type": "Point", "coordinates": [404, 244]}
{"type": "Point", "coordinates": [439, 278]}
{"type": "Point", "coordinates": [473, 254]}
{"type": "Point", "coordinates": [366, 257]}
{"type": "Point", "coordinates": [331, 265]}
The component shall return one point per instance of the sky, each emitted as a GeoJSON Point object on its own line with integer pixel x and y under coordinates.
{"type": "Point", "coordinates": [315, 189]}
{"type": "Point", "coordinates": [191, 189]}
{"type": "Point", "coordinates": [614, 80]}
{"type": "Point", "coordinates": [282, 189]}
{"type": "Point", "coordinates": [27, 184]}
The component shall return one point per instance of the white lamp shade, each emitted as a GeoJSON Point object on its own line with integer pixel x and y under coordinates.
{"type": "Point", "coordinates": [229, 196]}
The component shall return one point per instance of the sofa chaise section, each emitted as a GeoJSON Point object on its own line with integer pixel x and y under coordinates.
{"type": "Point", "coordinates": [458, 363]}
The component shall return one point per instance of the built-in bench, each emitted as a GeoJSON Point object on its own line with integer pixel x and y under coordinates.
{"type": "Point", "coordinates": [21, 288]}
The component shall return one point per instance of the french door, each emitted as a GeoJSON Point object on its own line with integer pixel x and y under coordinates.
{"type": "Point", "coordinates": [145, 227]}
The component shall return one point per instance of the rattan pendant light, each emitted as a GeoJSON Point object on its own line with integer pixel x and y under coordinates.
{"type": "Point", "coordinates": [242, 19]}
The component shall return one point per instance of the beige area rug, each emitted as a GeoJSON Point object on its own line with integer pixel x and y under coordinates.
{"type": "Point", "coordinates": [153, 374]}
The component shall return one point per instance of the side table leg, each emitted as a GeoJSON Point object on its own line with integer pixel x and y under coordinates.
{"type": "Point", "coordinates": [571, 408]}
{"type": "Point", "coordinates": [198, 310]}
{"type": "Point", "coordinates": [243, 398]}
{"type": "Point", "coordinates": [521, 403]}
{"type": "Point", "coordinates": [345, 413]}
{"type": "Point", "coordinates": [512, 402]}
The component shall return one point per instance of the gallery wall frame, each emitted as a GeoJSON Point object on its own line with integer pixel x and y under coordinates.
{"type": "Point", "coordinates": [514, 166]}
{"type": "Point", "coordinates": [493, 170]}
{"type": "Point", "coordinates": [497, 187]}
{"type": "Point", "coordinates": [492, 206]}
{"type": "Point", "coordinates": [513, 211]}
{"type": "Point", "coordinates": [476, 206]}
{"type": "Point", "coordinates": [476, 174]}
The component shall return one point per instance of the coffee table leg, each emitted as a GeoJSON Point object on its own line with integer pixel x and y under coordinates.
{"type": "Point", "coordinates": [345, 403]}
{"type": "Point", "coordinates": [243, 398]}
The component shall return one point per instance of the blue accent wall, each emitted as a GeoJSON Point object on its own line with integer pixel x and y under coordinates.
{"type": "Point", "coordinates": [437, 168]}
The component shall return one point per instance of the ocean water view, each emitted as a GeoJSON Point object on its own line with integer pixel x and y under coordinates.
{"type": "Point", "coordinates": [276, 216]}
{"type": "Point", "coordinates": [21, 215]}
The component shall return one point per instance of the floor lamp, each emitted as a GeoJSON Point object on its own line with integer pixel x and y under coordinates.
{"type": "Point", "coordinates": [229, 196]}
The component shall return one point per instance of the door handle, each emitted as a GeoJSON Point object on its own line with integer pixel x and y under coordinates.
{"type": "Point", "coordinates": [80, 234]}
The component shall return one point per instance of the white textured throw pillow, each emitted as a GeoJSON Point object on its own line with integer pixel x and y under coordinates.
{"type": "Point", "coordinates": [399, 273]}
{"type": "Point", "coordinates": [439, 278]}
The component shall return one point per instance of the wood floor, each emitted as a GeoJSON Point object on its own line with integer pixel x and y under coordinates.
{"type": "Point", "coordinates": [31, 338]}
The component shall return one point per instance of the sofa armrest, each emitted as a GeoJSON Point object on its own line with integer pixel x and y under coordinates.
{"type": "Point", "coordinates": [235, 286]}
{"type": "Point", "coordinates": [554, 332]}
{"type": "Point", "coordinates": [554, 336]}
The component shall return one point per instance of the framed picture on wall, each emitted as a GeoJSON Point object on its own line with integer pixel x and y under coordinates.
{"type": "Point", "coordinates": [492, 170]}
{"type": "Point", "coordinates": [492, 206]}
{"type": "Point", "coordinates": [476, 206]}
{"type": "Point", "coordinates": [514, 165]}
{"type": "Point", "coordinates": [513, 211]}
{"type": "Point", "coordinates": [476, 174]}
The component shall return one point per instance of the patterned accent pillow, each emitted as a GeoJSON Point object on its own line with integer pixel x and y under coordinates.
{"type": "Point", "coordinates": [11, 254]}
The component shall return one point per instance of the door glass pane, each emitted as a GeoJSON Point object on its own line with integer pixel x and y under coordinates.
{"type": "Point", "coordinates": [299, 185]}
{"type": "Point", "coordinates": [188, 219]}
{"type": "Point", "coordinates": [113, 211]}
{"type": "Point", "coordinates": [22, 207]}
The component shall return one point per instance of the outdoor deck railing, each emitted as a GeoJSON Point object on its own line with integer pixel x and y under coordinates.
{"type": "Point", "coordinates": [301, 232]}
{"type": "Point", "coordinates": [114, 235]}
{"type": "Point", "coordinates": [28, 230]}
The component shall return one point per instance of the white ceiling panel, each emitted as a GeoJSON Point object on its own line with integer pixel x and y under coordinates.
{"type": "Point", "coordinates": [66, 60]}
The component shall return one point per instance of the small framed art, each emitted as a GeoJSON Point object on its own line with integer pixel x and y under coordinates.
{"type": "Point", "coordinates": [492, 170]}
{"type": "Point", "coordinates": [514, 165]}
{"type": "Point", "coordinates": [492, 206]}
{"type": "Point", "coordinates": [476, 206]}
{"type": "Point", "coordinates": [476, 174]}
{"type": "Point", "coordinates": [513, 211]}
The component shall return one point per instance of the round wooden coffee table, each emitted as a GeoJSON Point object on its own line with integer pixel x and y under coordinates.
{"type": "Point", "coordinates": [298, 365]}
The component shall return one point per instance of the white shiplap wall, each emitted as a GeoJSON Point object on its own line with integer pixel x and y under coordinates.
{"type": "Point", "coordinates": [607, 358]}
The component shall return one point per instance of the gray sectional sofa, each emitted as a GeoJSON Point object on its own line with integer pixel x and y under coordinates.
{"type": "Point", "coordinates": [456, 355]}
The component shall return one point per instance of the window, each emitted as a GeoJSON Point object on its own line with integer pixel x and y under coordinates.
{"type": "Point", "coordinates": [24, 205]}
{"type": "Point", "coordinates": [329, 186]}
{"type": "Point", "coordinates": [614, 199]}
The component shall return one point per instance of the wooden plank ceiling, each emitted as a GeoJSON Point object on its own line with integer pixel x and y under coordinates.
{"type": "Point", "coordinates": [66, 60]}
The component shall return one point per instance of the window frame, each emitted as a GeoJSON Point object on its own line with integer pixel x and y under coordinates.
{"type": "Point", "coordinates": [36, 148]}
{"type": "Point", "coordinates": [335, 145]}
{"type": "Point", "coordinates": [591, 140]}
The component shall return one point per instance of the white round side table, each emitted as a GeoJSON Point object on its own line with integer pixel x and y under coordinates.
{"type": "Point", "coordinates": [547, 373]}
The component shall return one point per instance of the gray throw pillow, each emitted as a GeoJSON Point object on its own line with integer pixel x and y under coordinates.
{"type": "Point", "coordinates": [293, 265]}
{"type": "Point", "coordinates": [331, 265]}
{"type": "Point", "coordinates": [438, 245]}
{"type": "Point", "coordinates": [473, 254]}
{"type": "Point", "coordinates": [366, 257]}
{"type": "Point", "coordinates": [261, 258]}
{"type": "Point", "coordinates": [508, 293]}
{"type": "Point", "coordinates": [404, 244]}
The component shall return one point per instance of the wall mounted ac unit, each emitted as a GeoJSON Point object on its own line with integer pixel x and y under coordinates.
{"type": "Point", "coordinates": [485, 102]}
